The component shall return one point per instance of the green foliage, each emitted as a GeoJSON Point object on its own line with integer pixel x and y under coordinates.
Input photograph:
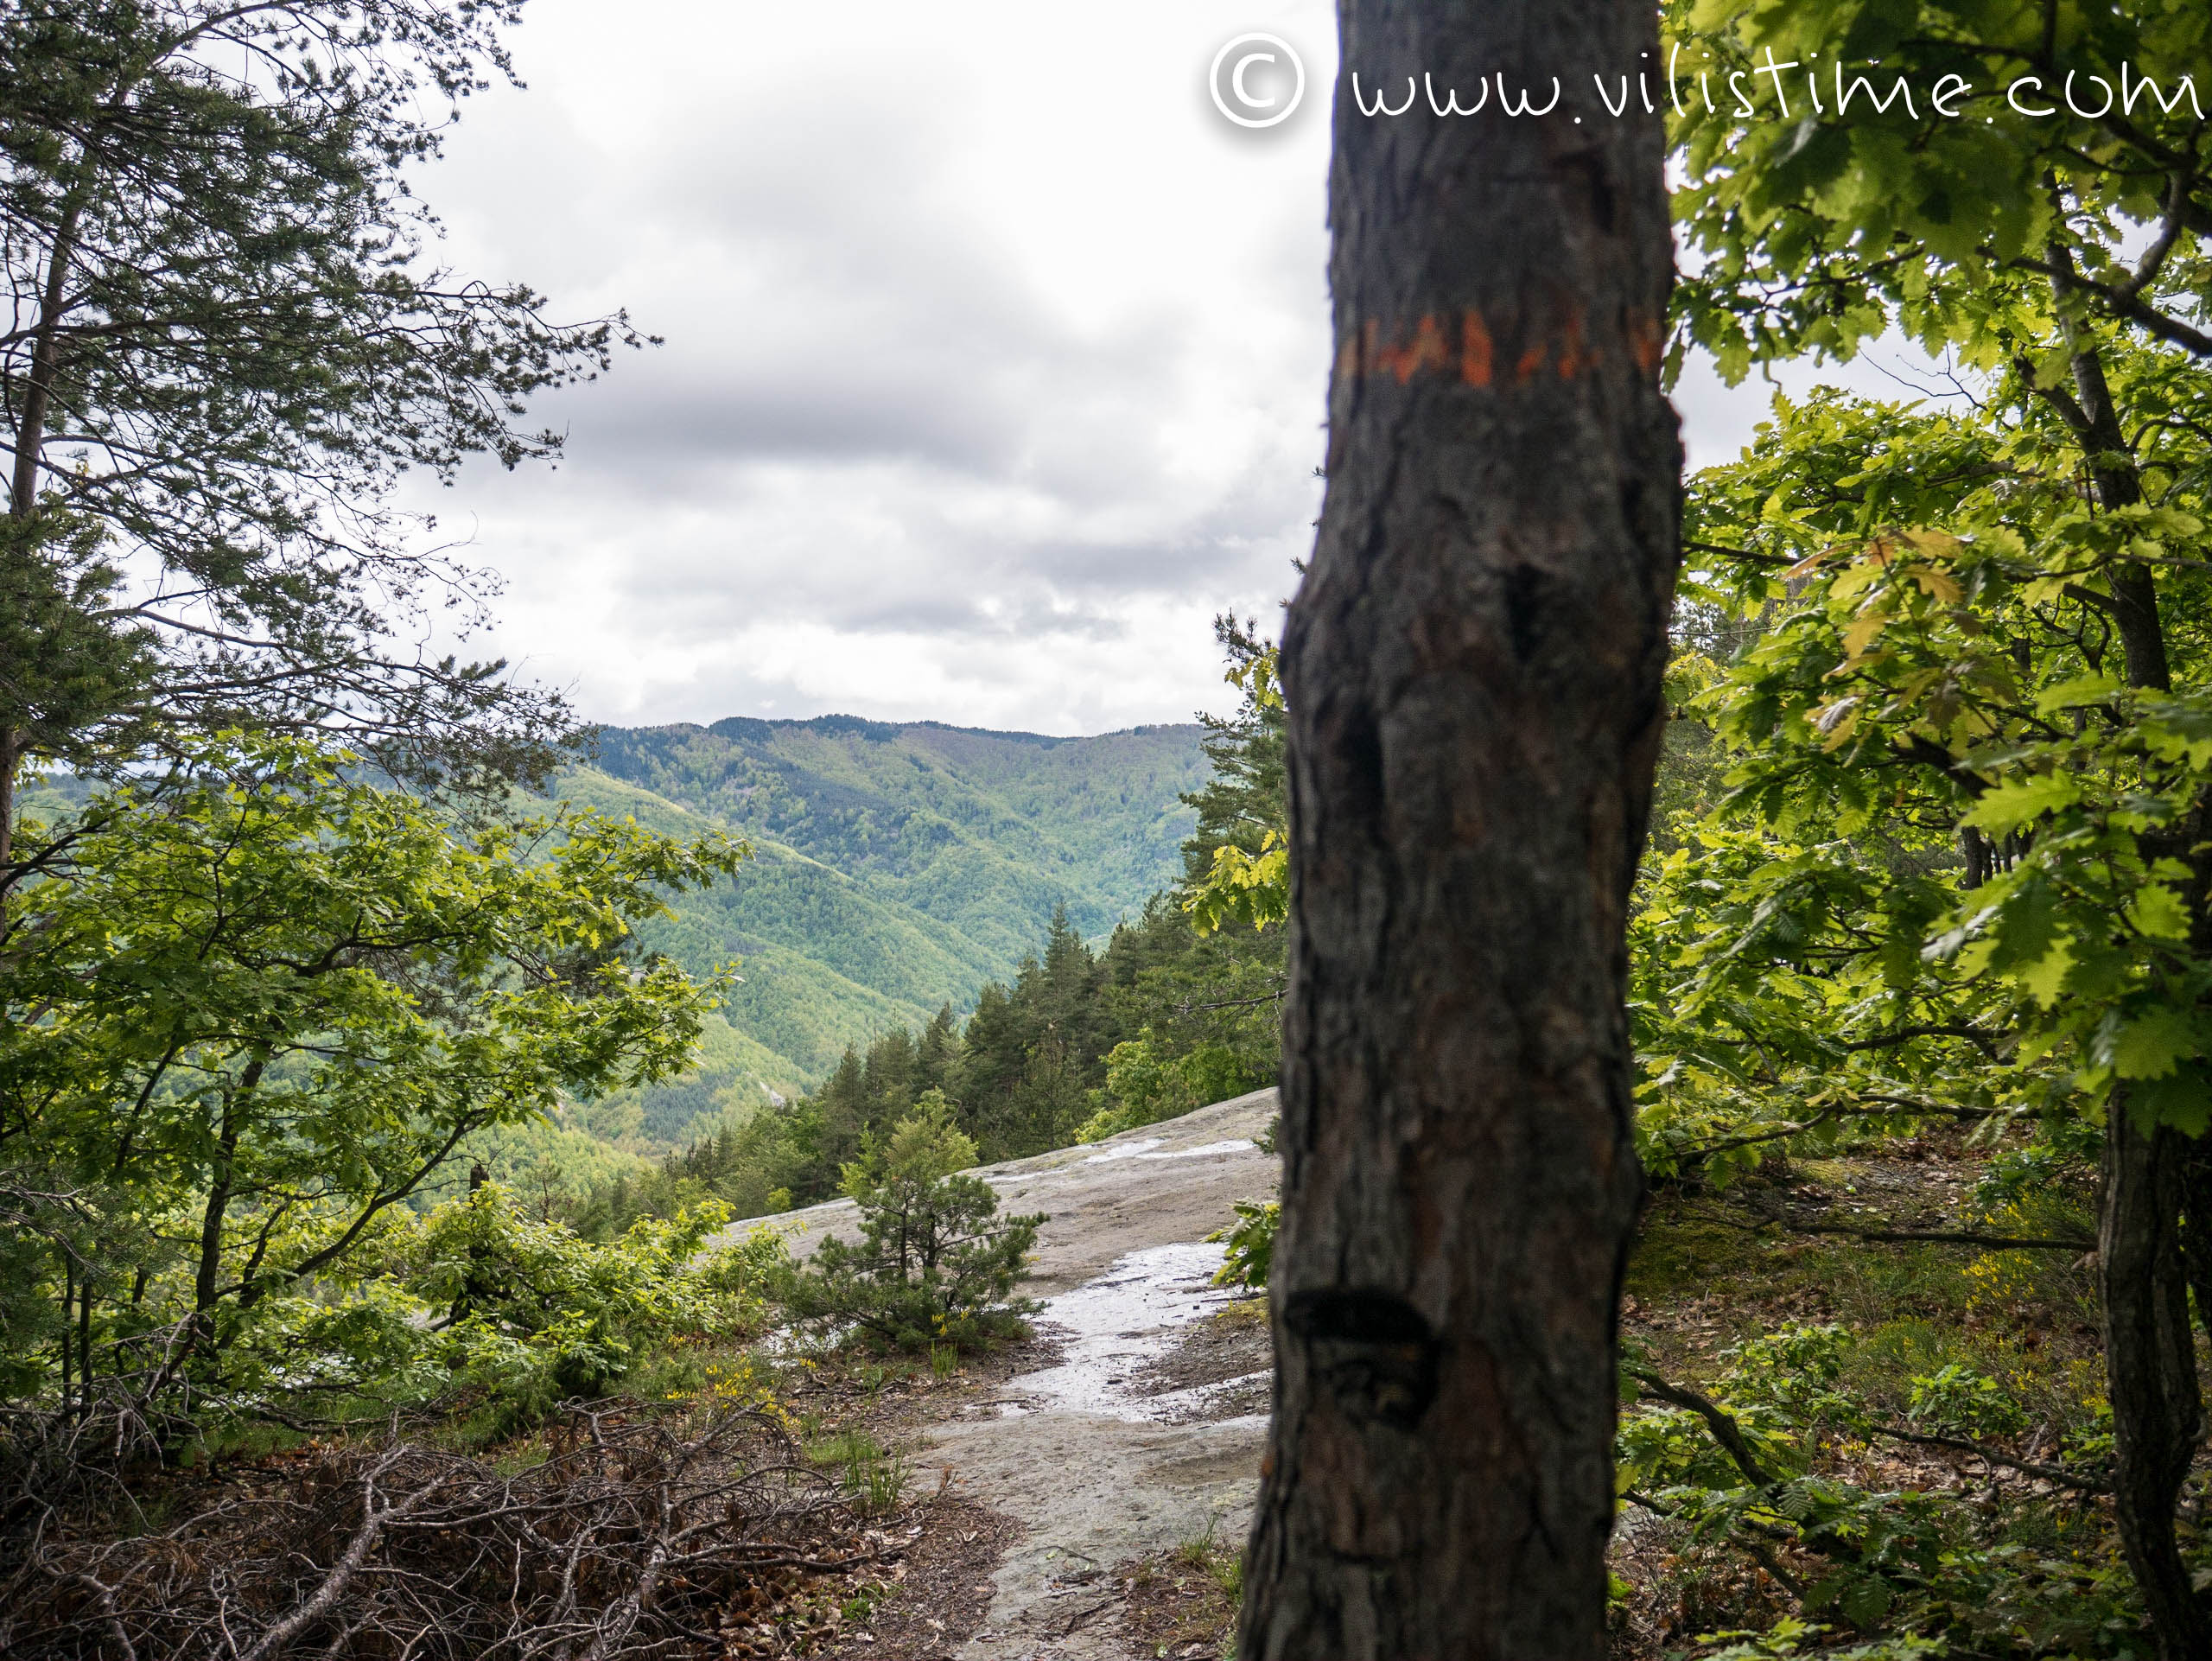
{"type": "Point", "coordinates": [1249, 889]}
{"type": "Point", "coordinates": [1948, 870]}
{"type": "Point", "coordinates": [1186, 994]}
{"type": "Point", "coordinates": [1813, 229]}
{"type": "Point", "coordinates": [1145, 1087]}
{"type": "Point", "coordinates": [1907, 1567]}
{"type": "Point", "coordinates": [1238, 865]}
{"type": "Point", "coordinates": [1961, 1401]}
{"type": "Point", "coordinates": [225, 346]}
{"type": "Point", "coordinates": [1951, 669]}
{"type": "Point", "coordinates": [1947, 876]}
{"type": "Point", "coordinates": [531, 1315]}
{"type": "Point", "coordinates": [1251, 1242]}
{"type": "Point", "coordinates": [1784, 1641]}
{"type": "Point", "coordinates": [1033, 1052]}
{"type": "Point", "coordinates": [935, 1265]}
{"type": "Point", "coordinates": [76, 670]}
{"type": "Point", "coordinates": [251, 1012]}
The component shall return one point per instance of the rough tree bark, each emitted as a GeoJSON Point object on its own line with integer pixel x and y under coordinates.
{"type": "Point", "coordinates": [1473, 668]}
{"type": "Point", "coordinates": [2151, 1366]}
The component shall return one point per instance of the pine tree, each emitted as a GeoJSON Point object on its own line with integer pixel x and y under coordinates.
{"type": "Point", "coordinates": [1472, 669]}
{"type": "Point", "coordinates": [889, 1084]}
{"type": "Point", "coordinates": [224, 347]}
{"type": "Point", "coordinates": [831, 1124]}
{"type": "Point", "coordinates": [937, 1053]}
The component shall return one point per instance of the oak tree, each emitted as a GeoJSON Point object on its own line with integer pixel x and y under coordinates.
{"type": "Point", "coordinates": [2028, 190]}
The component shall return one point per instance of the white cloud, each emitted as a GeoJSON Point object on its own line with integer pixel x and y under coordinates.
{"type": "Point", "coordinates": [994, 365]}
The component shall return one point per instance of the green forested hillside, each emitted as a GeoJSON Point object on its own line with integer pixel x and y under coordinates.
{"type": "Point", "coordinates": [1075, 1045]}
{"type": "Point", "coordinates": [895, 869]}
{"type": "Point", "coordinates": [984, 831]}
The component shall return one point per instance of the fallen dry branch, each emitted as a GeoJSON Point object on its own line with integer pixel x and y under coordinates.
{"type": "Point", "coordinates": [2057, 1475]}
{"type": "Point", "coordinates": [628, 1539]}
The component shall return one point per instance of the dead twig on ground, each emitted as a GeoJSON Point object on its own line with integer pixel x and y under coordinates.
{"type": "Point", "coordinates": [627, 1539]}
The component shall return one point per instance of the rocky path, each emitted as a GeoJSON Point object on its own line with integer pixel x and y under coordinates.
{"type": "Point", "coordinates": [1145, 1430]}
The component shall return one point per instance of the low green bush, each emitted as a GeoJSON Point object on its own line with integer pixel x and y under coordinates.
{"type": "Point", "coordinates": [935, 1265]}
{"type": "Point", "coordinates": [1251, 1242]}
{"type": "Point", "coordinates": [483, 1309]}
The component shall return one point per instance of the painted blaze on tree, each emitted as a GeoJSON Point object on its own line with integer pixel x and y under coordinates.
{"type": "Point", "coordinates": [1472, 670]}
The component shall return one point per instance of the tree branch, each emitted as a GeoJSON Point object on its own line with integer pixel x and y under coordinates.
{"type": "Point", "coordinates": [1718, 1419]}
{"type": "Point", "coordinates": [2051, 1473]}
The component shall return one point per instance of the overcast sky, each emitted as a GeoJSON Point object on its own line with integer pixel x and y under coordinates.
{"type": "Point", "coordinates": [995, 363]}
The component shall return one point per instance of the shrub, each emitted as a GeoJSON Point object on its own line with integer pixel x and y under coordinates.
{"type": "Point", "coordinates": [515, 1314]}
{"type": "Point", "coordinates": [1146, 1086]}
{"type": "Point", "coordinates": [529, 1300]}
{"type": "Point", "coordinates": [1960, 1401]}
{"type": "Point", "coordinates": [935, 1263]}
{"type": "Point", "coordinates": [1251, 1244]}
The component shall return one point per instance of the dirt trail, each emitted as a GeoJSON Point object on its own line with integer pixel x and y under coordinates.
{"type": "Point", "coordinates": [1105, 1455]}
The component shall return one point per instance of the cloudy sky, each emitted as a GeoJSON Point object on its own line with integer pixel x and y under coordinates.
{"type": "Point", "coordinates": [994, 356]}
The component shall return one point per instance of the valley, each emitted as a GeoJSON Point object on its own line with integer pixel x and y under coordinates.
{"type": "Point", "coordinates": [895, 868]}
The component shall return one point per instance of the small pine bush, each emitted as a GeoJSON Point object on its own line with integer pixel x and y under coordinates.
{"type": "Point", "coordinates": [935, 1265]}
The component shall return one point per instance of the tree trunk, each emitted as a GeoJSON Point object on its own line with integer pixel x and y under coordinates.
{"type": "Point", "coordinates": [1473, 668]}
{"type": "Point", "coordinates": [2145, 1261]}
{"type": "Point", "coordinates": [2093, 418]}
{"type": "Point", "coordinates": [207, 1279]}
{"type": "Point", "coordinates": [222, 1180]}
{"type": "Point", "coordinates": [46, 362]}
{"type": "Point", "coordinates": [2151, 1367]}
{"type": "Point", "coordinates": [10, 761]}
{"type": "Point", "coordinates": [29, 439]}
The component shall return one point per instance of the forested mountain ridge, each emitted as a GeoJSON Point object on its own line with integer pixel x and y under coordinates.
{"type": "Point", "coordinates": [985, 831]}
{"type": "Point", "coordinates": [895, 869]}
{"type": "Point", "coordinates": [1075, 1045]}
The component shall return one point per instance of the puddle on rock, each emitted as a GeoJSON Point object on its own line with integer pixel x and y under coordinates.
{"type": "Point", "coordinates": [1134, 1150]}
{"type": "Point", "coordinates": [1117, 1324]}
{"type": "Point", "coordinates": [1238, 1146]}
{"type": "Point", "coordinates": [1144, 1150]}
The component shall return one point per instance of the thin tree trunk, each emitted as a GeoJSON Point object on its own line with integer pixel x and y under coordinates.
{"type": "Point", "coordinates": [22, 492]}
{"type": "Point", "coordinates": [207, 1278]}
{"type": "Point", "coordinates": [2094, 419]}
{"type": "Point", "coordinates": [221, 1184]}
{"type": "Point", "coordinates": [1974, 849]}
{"type": "Point", "coordinates": [11, 760]}
{"type": "Point", "coordinates": [2119, 484]}
{"type": "Point", "coordinates": [46, 361]}
{"type": "Point", "coordinates": [1472, 669]}
{"type": "Point", "coordinates": [68, 1297]}
{"type": "Point", "coordinates": [2145, 1260]}
{"type": "Point", "coordinates": [2151, 1367]}
{"type": "Point", "coordinates": [85, 1295]}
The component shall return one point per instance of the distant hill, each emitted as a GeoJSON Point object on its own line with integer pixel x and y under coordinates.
{"type": "Point", "coordinates": [898, 866]}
